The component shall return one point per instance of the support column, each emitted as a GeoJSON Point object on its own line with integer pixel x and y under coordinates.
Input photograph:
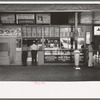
{"type": "Point", "coordinates": [76, 29]}
{"type": "Point", "coordinates": [41, 52]}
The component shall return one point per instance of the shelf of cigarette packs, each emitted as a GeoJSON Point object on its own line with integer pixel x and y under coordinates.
{"type": "Point", "coordinates": [54, 51]}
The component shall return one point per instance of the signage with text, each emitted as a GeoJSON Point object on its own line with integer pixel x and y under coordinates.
{"type": "Point", "coordinates": [7, 18]}
{"type": "Point", "coordinates": [57, 59]}
{"type": "Point", "coordinates": [96, 30]}
{"type": "Point", "coordinates": [43, 19]}
{"type": "Point", "coordinates": [50, 58]}
{"type": "Point", "coordinates": [25, 18]}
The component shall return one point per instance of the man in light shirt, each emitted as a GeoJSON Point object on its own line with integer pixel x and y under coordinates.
{"type": "Point", "coordinates": [90, 51]}
{"type": "Point", "coordinates": [34, 49]}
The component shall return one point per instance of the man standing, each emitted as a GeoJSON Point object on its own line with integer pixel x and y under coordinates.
{"type": "Point", "coordinates": [24, 54]}
{"type": "Point", "coordinates": [90, 51]}
{"type": "Point", "coordinates": [34, 49]}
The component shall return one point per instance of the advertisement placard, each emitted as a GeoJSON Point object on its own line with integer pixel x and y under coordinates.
{"type": "Point", "coordinates": [8, 19]}
{"type": "Point", "coordinates": [25, 18]}
{"type": "Point", "coordinates": [43, 19]}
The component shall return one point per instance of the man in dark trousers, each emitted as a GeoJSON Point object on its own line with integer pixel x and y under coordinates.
{"type": "Point", "coordinates": [24, 54]}
{"type": "Point", "coordinates": [34, 48]}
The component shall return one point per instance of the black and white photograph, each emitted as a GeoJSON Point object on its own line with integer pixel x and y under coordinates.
{"type": "Point", "coordinates": [50, 42]}
{"type": "Point", "coordinates": [49, 49]}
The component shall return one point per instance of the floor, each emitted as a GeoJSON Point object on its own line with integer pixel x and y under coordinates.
{"type": "Point", "coordinates": [48, 73]}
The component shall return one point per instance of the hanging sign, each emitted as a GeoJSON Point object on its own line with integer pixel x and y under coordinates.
{"type": "Point", "coordinates": [96, 30]}
{"type": "Point", "coordinates": [25, 18]}
{"type": "Point", "coordinates": [43, 18]}
{"type": "Point", "coordinates": [7, 18]}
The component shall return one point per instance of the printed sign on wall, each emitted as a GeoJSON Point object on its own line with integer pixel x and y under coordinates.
{"type": "Point", "coordinates": [43, 18]}
{"type": "Point", "coordinates": [7, 18]}
{"type": "Point", "coordinates": [25, 19]}
{"type": "Point", "coordinates": [96, 30]}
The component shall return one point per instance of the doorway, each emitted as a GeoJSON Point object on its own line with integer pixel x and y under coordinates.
{"type": "Point", "coordinates": [7, 50]}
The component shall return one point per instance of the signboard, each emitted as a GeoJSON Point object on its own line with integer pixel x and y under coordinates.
{"type": "Point", "coordinates": [50, 59]}
{"type": "Point", "coordinates": [24, 31]}
{"type": "Point", "coordinates": [64, 32]}
{"type": "Point", "coordinates": [96, 30]}
{"type": "Point", "coordinates": [33, 31]}
{"type": "Point", "coordinates": [43, 19]}
{"type": "Point", "coordinates": [18, 44]}
{"type": "Point", "coordinates": [80, 43]}
{"type": "Point", "coordinates": [51, 31]}
{"type": "Point", "coordinates": [39, 32]}
{"type": "Point", "coordinates": [25, 18]}
{"type": "Point", "coordinates": [29, 33]}
{"type": "Point", "coordinates": [88, 37]}
{"type": "Point", "coordinates": [46, 32]}
{"type": "Point", "coordinates": [64, 58]}
{"type": "Point", "coordinates": [57, 59]}
{"type": "Point", "coordinates": [7, 18]}
{"type": "Point", "coordinates": [56, 33]}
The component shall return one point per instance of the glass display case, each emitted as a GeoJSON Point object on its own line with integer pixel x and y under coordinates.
{"type": "Point", "coordinates": [55, 42]}
{"type": "Point", "coordinates": [58, 49]}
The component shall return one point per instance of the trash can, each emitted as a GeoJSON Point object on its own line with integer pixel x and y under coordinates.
{"type": "Point", "coordinates": [77, 59]}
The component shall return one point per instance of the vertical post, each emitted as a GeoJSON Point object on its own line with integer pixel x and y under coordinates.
{"type": "Point", "coordinates": [76, 31]}
{"type": "Point", "coordinates": [43, 38]}
{"type": "Point", "coordinates": [76, 52]}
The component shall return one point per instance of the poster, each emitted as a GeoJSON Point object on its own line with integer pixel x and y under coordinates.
{"type": "Point", "coordinates": [64, 32]}
{"type": "Point", "coordinates": [33, 31]}
{"type": "Point", "coordinates": [7, 18]}
{"type": "Point", "coordinates": [57, 32]}
{"type": "Point", "coordinates": [46, 32]}
{"type": "Point", "coordinates": [25, 18]}
{"type": "Point", "coordinates": [18, 44]}
{"type": "Point", "coordinates": [88, 36]}
{"type": "Point", "coordinates": [24, 32]}
{"type": "Point", "coordinates": [64, 59]}
{"type": "Point", "coordinates": [97, 30]}
{"type": "Point", "coordinates": [50, 59]}
{"type": "Point", "coordinates": [39, 32]}
{"type": "Point", "coordinates": [51, 31]}
{"type": "Point", "coordinates": [65, 43]}
{"type": "Point", "coordinates": [29, 31]}
{"type": "Point", "coordinates": [80, 43]}
{"type": "Point", "coordinates": [43, 18]}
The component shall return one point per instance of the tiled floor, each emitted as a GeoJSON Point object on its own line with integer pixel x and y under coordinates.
{"type": "Point", "coordinates": [48, 73]}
